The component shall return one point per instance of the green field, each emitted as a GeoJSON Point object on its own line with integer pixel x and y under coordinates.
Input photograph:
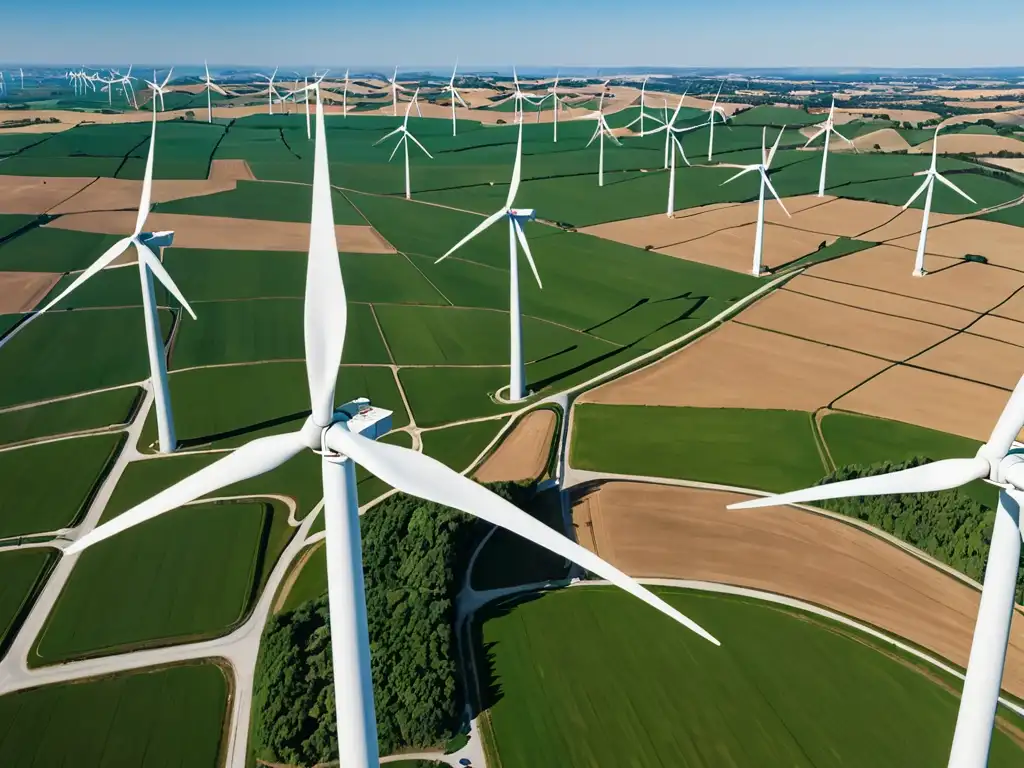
{"type": "Point", "coordinates": [45, 249]}
{"type": "Point", "coordinates": [66, 416]}
{"type": "Point", "coordinates": [678, 700]}
{"type": "Point", "coordinates": [47, 486]}
{"type": "Point", "coordinates": [21, 575]}
{"type": "Point", "coordinates": [149, 719]}
{"type": "Point", "coordinates": [438, 396]}
{"type": "Point", "coordinates": [11, 223]}
{"type": "Point", "coordinates": [457, 446]}
{"type": "Point", "coordinates": [762, 449]}
{"type": "Point", "coordinates": [262, 200]}
{"type": "Point", "coordinates": [151, 585]}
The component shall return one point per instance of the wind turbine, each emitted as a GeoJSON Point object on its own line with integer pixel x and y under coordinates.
{"type": "Point", "coordinates": [999, 464]}
{"type": "Point", "coordinates": [395, 88]}
{"type": "Point", "coordinates": [714, 110]}
{"type": "Point", "coordinates": [149, 265]}
{"type": "Point", "coordinates": [455, 95]}
{"type": "Point", "coordinates": [643, 110]}
{"type": "Point", "coordinates": [21, 72]}
{"type": "Point", "coordinates": [556, 104]}
{"type": "Point", "coordinates": [827, 128]}
{"type": "Point", "coordinates": [161, 88]}
{"type": "Point", "coordinates": [602, 130]}
{"type": "Point", "coordinates": [3, 85]}
{"type": "Point", "coordinates": [335, 434]}
{"type": "Point", "coordinates": [670, 129]}
{"type": "Point", "coordinates": [762, 169]}
{"type": "Point", "coordinates": [405, 135]}
{"type": "Point", "coordinates": [520, 98]}
{"type": "Point", "coordinates": [271, 90]}
{"type": "Point", "coordinates": [126, 84]}
{"type": "Point", "coordinates": [314, 86]}
{"type": "Point", "coordinates": [210, 86]}
{"type": "Point", "coordinates": [930, 176]}
{"type": "Point", "coordinates": [344, 97]}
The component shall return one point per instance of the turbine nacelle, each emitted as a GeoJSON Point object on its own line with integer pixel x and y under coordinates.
{"type": "Point", "coordinates": [163, 239]}
{"type": "Point", "coordinates": [523, 213]}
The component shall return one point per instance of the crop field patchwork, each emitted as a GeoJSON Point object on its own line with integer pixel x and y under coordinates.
{"type": "Point", "coordinates": [21, 575]}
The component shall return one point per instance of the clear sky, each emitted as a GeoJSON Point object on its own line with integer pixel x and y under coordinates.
{"type": "Point", "coordinates": [423, 33]}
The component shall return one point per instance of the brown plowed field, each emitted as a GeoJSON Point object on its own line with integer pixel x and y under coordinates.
{"type": "Point", "coordinates": [976, 358]}
{"type": "Point", "coordinates": [22, 291]}
{"type": "Point", "coordinates": [39, 194]}
{"type": "Point", "coordinates": [1001, 244]}
{"type": "Point", "coordinates": [523, 454]}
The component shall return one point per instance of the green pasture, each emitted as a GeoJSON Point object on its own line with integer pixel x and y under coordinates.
{"type": "Point", "coordinates": [763, 449]}
{"type": "Point", "coordinates": [1013, 216]}
{"type": "Point", "coordinates": [12, 222]}
{"type": "Point", "coordinates": [678, 700]}
{"type": "Point", "coordinates": [61, 353]}
{"type": "Point", "coordinates": [458, 446]}
{"type": "Point", "coordinates": [986, 191]}
{"type": "Point", "coordinates": [441, 395]}
{"type": "Point", "coordinates": [844, 246]}
{"type": "Point", "coordinates": [77, 414]}
{"type": "Point", "coordinates": [261, 200]}
{"type": "Point", "coordinates": [255, 145]}
{"type": "Point", "coordinates": [22, 165]}
{"type": "Point", "coordinates": [48, 486]}
{"type": "Point", "coordinates": [311, 580]}
{"type": "Point", "coordinates": [149, 719]}
{"type": "Point", "coordinates": [113, 287]}
{"type": "Point", "coordinates": [12, 143]}
{"type": "Point", "coordinates": [46, 249]}
{"type": "Point", "coordinates": [228, 406]}
{"type": "Point", "coordinates": [22, 573]}
{"type": "Point", "coordinates": [151, 585]}
{"type": "Point", "coordinates": [114, 140]}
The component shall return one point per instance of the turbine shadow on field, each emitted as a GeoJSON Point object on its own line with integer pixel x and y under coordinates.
{"type": "Point", "coordinates": [277, 421]}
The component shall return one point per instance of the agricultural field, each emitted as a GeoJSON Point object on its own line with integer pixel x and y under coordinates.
{"type": "Point", "coordinates": [23, 572]}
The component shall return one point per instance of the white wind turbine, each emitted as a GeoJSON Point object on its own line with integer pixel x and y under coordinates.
{"type": "Point", "coordinates": [3, 85]}
{"type": "Point", "coordinates": [762, 169]}
{"type": "Point", "coordinates": [405, 135]}
{"type": "Point", "coordinates": [395, 88]}
{"type": "Point", "coordinates": [271, 90]}
{"type": "Point", "coordinates": [643, 111]}
{"type": "Point", "coordinates": [455, 95]}
{"type": "Point", "coordinates": [149, 265]}
{"type": "Point", "coordinates": [714, 110]}
{"type": "Point", "coordinates": [125, 81]}
{"type": "Point", "coordinates": [602, 130]}
{"type": "Point", "coordinates": [556, 104]}
{"type": "Point", "coordinates": [21, 72]}
{"type": "Point", "coordinates": [335, 434]}
{"type": "Point", "coordinates": [520, 99]}
{"type": "Point", "coordinates": [1000, 464]}
{"type": "Point", "coordinates": [209, 86]}
{"type": "Point", "coordinates": [516, 217]}
{"type": "Point", "coordinates": [159, 89]}
{"type": "Point", "coordinates": [670, 130]}
{"type": "Point", "coordinates": [344, 97]}
{"type": "Point", "coordinates": [827, 128]}
{"type": "Point", "coordinates": [314, 86]}
{"type": "Point", "coordinates": [930, 176]}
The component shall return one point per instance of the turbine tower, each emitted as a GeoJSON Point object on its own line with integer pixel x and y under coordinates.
{"type": "Point", "coordinates": [998, 463]}
{"type": "Point", "coordinates": [149, 265]}
{"type": "Point", "coordinates": [519, 99]}
{"type": "Point", "coordinates": [643, 110]}
{"type": "Point", "coordinates": [670, 131]}
{"type": "Point", "coordinates": [556, 103]}
{"type": "Point", "coordinates": [714, 110]}
{"type": "Point", "coordinates": [338, 436]}
{"type": "Point", "coordinates": [209, 86]}
{"type": "Point", "coordinates": [271, 90]}
{"type": "Point", "coordinates": [405, 135]}
{"type": "Point", "coordinates": [601, 130]}
{"type": "Point", "coordinates": [305, 89]}
{"type": "Point", "coordinates": [395, 88]}
{"type": "Point", "coordinates": [762, 169]}
{"type": "Point", "coordinates": [455, 95]}
{"type": "Point", "coordinates": [928, 184]}
{"type": "Point", "coordinates": [161, 88]}
{"type": "Point", "coordinates": [344, 97]}
{"type": "Point", "coordinates": [827, 128]}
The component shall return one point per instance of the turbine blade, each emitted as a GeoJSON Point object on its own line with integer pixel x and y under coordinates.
{"type": "Point", "coordinates": [517, 170]}
{"type": "Point", "coordinates": [820, 131]}
{"type": "Point", "coordinates": [924, 185]}
{"type": "Point", "coordinates": [745, 171]}
{"type": "Point", "coordinates": [326, 313]}
{"type": "Point", "coordinates": [526, 249]}
{"type": "Point", "coordinates": [147, 257]}
{"type": "Point", "coordinates": [387, 136]}
{"type": "Point", "coordinates": [682, 152]}
{"type": "Point", "coordinates": [476, 231]}
{"type": "Point", "coordinates": [1009, 424]}
{"type": "Point", "coordinates": [108, 256]}
{"type": "Point", "coordinates": [768, 183]}
{"type": "Point", "coordinates": [417, 142]}
{"type": "Point", "coordinates": [252, 459]}
{"type": "Point", "coordinates": [775, 146]}
{"type": "Point", "coordinates": [147, 182]}
{"type": "Point", "coordinates": [399, 144]}
{"type": "Point", "coordinates": [937, 476]}
{"type": "Point", "coordinates": [429, 479]}
{"type": "Point", "coordinates": [954, 187]}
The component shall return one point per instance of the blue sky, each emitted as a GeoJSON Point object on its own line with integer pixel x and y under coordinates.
{"type": "Point", "coordinates": [421, 33]}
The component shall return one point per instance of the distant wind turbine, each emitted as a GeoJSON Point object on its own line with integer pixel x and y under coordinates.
{"type": "Point", "coordinates": [643, 110]}
{"type": "Point", "coordinates": [149, 265]}
{"type": "Point", "coordinates": [928, 184]}
{"type": "Point", "coordinates": [762, 169]}
{"type": "Point", "coordinates": [209, 86]}
{"type": "Point", "coordinates": [271, 90]}
{"type": "Point", "coordinates": [22, 73]}
{"type": "Point", "coordinates": [344, 97]}
{"type": "Point", "coordinates": [556, 104]}
{"type": "Point", "coordinates": [305, 89]}
{"type": "Point", "coordinates": [405, 135]}
{"type": "Point", "coordinates": [161, 88]}
{"type": "Point", "coordinates": [827, 128]}
{"type": "Point", "coordinates": [714, 110]}
{"type": "Point", "coordinates": [670, 131]}
{"type": "Point", "coordinates": [337, 435]}
{"type": "Point", "coordinates": [601, 130]}
{"type": "Point", "coordinates": [520, 99]}
{"type": "Point", "coordinates": [453, 92]}
{"type": "Point", "coordinates": [395, 88]}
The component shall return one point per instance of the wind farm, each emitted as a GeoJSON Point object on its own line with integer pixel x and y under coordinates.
{"type": "Point", "coordinates": [303, 464]}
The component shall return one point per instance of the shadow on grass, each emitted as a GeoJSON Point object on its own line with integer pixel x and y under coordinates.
{"type": "Point", "coordinates": [192, 442]}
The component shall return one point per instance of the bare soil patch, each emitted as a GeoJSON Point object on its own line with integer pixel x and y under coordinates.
{"type": "Point", "coordinates": [658, 531]}
{"type": "Point", "coordinates": [734, 248]}
{"type": "Point", "coordinates": [1001, 244]}
{"type": "Point", "coordinates": [977, 358]}
{"type": "Point", "coordinates": [844, 217]}
{"type": "Point", "coordinates": [1009, 163]}
{"type": "Point", "coordinates": [659, 231]}
{"type": "Point", "coordinates": [908, 223]}
{"type": "Point", "coordinates": [967, 285]}
{"type": "Point", "coordinates": [219, 232]}
{"type": "Point", "coordinates": [882, 301]}
{"type": "Point", "coordinates": [1015, 116]}
{"type": "Point", "coordinates": [970, 144]}
{"type": "Point", "coordinates": [974, 93]}
{"type": "Point", "coordinates": [38, 194]}
{"type": "Point", "coordinates": [523, 454]}
{"type": "Point", "coordinates": [930, 400]}
{"type": "Point", "coordinates": [887, 139]}
{"type": "Point", "coordinates": [992, 327]}
{"type": "Point", "coordinates": [738, 366]}
{"type": "Point", "coordinates": [899, 115]}
{"type": "Point", "coordinates": [1012, 308]}
{"type": "Point", "coordinates": [22, 291]}
{"type": "Point", "coordinates": [859, 330]}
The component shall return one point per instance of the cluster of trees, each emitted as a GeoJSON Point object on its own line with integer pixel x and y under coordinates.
{"type": "Point", "coordinates": [414, 559]}
{"type": "Point", "coordinates": [948, 525]}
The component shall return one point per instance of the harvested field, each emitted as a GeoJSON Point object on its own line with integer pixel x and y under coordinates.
{"type": "Point", "coordinates": [215, 232]}
{"type": "Point", "coordinates": [106, 194]}
{"type": "Point", "coordinates": [39, 194]}
{"type": "Point", "coordinates": [970, 144]}
{"type": "Point", "coordinates": [1012, 308]}
{"type": "Point", "coordinates": [649, 530]}
{"type": "Point", "coordinates": [976, 358]}
{"type": "Point", "coordinates": [843, 217]}
{"type": "Point", "coordinates": [733, 248]}
{"type": "Point", "coordinates": [717, 371]}
{"type": "Point", "coordinates": [908, 223]}
{"type": "Point", "coordinates": [1001, 105]}
{"type": "Point", "coordinates": [660, 231]}
{"type": "Point", "coordinates": [859, 330]}
{"type": "Point", "coordinates": [21, 291]}
{"type": "Point", "coordinates": [899, 115]}
{"type": "Point", "coordinates": [1001, 244]}
{"type": "Point", "coordinates": [964, 284]}
{"type": "Point", "coordinates": [884, 302]}
{"type": "Point", "coordinates": [1009, 163]}
{"type": "Point", "coordinates": [1015, 117]}
{"type": "Point", "coordinates": [974, 93]}
{"type": "Point", "coordinates": [929, 400]}
{"type": "Point", "coordinates": [887, 139]}
{"type": "Point", "coordinates": [523, 454]}
{"type": "Point", "coordinates": [993, 327]}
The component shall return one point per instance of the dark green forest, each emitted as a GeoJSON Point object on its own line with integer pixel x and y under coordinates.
{"type": "Point", "coordinates": [414, 558]}
{"type": "Point", "coordinates": [948, 525]}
